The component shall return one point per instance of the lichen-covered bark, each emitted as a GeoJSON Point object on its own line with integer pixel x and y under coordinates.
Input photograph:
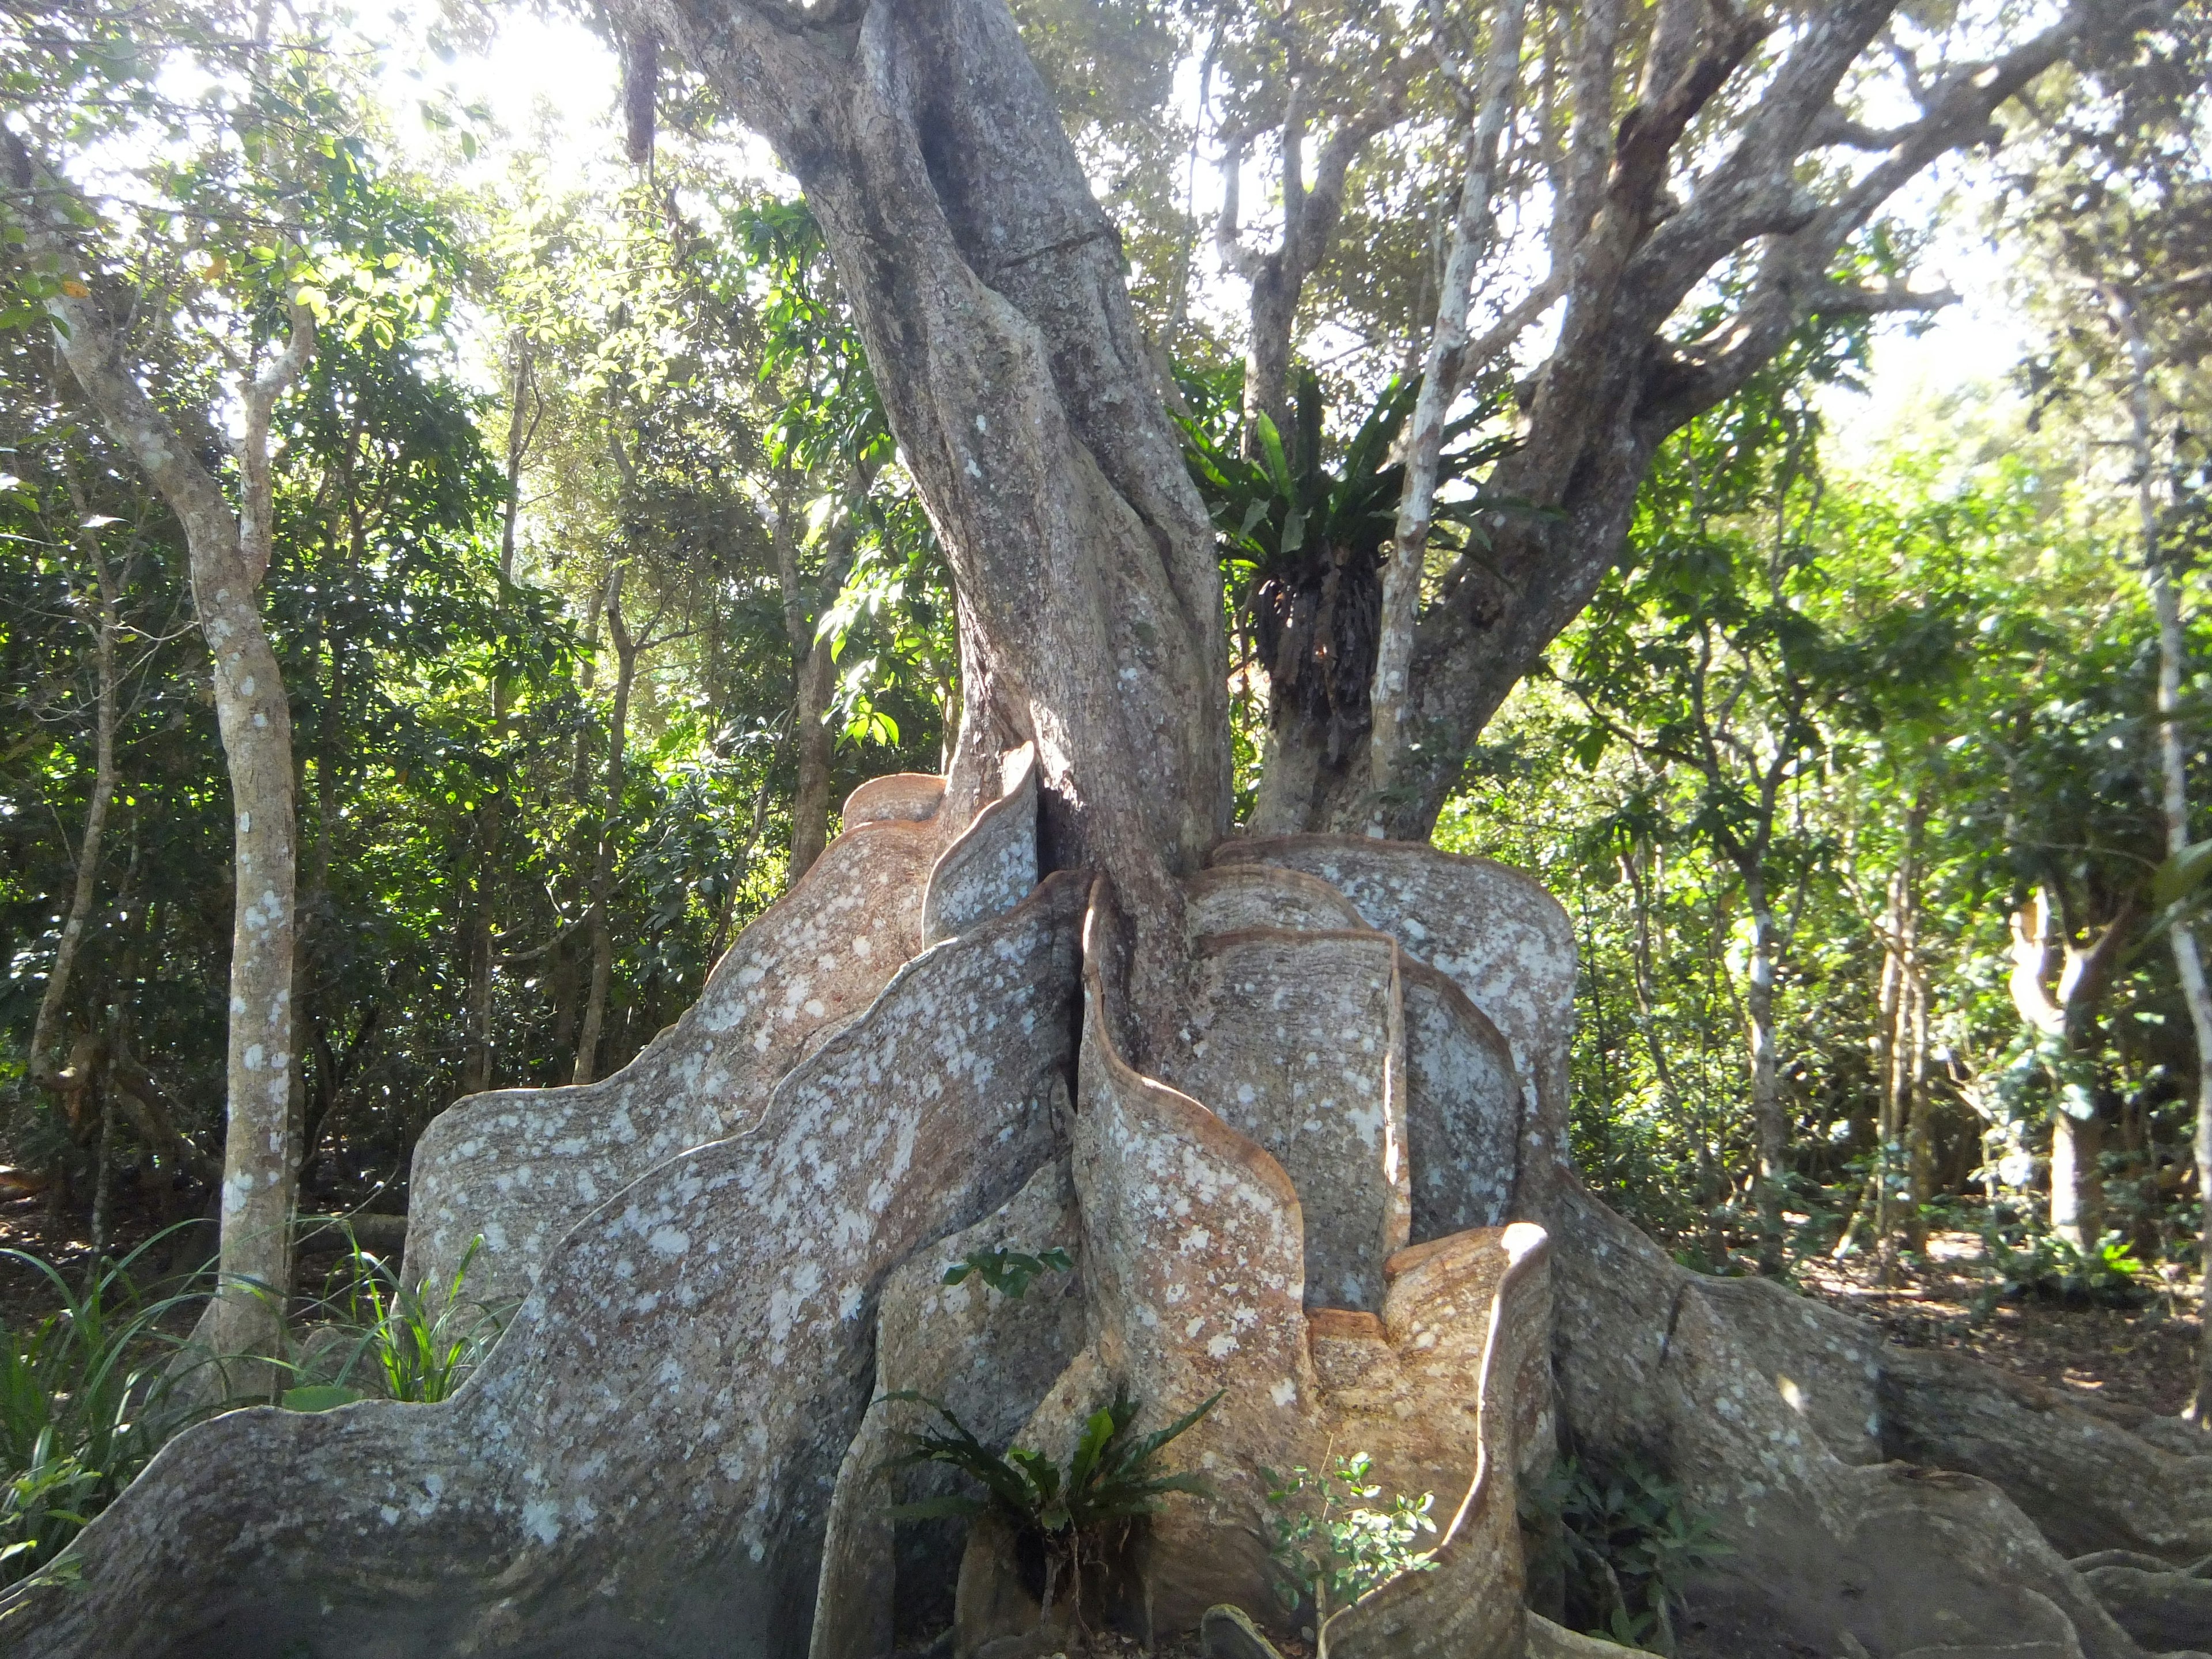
{"type": "Point", "coordinates": [645, 1468]}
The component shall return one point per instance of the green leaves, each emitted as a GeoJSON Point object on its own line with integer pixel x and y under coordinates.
{"type": "Point", "coordinates": [87, 1395]}
{"type": "Point", "coordinates": [1008, 1271]}
{"type": "Point", "coordinates": [2181, 874]}
{"type": "Point", "coordinates": [1333, 1545]}
{"type": "Point", "coordinates": [420, 1342]}
{"type": "Point", "coordinates": [318, 1397]}
{"type": "Point", "coordinates": [1109, 1480]}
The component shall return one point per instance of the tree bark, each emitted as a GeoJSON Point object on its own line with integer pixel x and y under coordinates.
{"type": "Point", "coordinates": [1277, 277]}
{"type": "Point", "coordinates": [2174, 780]}
{"type": "Point", "coordinates": [1471, 233]}
{"type": "Point", "coordinates": [1770, 1123]}
{"type": "Point", "coordinates": [2060, 1015]}
{"type": "Point", "coordinates": [1082, 561]}
{"type": "Point", "coordinates": [1625, 253]}
{"type": "Point", "coordinates": [228, 556]}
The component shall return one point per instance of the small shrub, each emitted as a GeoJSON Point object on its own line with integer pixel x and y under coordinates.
{"type": "Point", "coordinates": [1334, 1548]}
{"type": "Point", "coordinates": [1626, 1545]}
{"type": "Point", "coordinates": [1079, 1515]}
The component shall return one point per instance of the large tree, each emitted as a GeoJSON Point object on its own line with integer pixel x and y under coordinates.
{"type": "Point", "coordinates": [1290, 1105]}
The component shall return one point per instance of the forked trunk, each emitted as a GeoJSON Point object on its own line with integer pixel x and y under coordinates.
{"type": "Point", "coordinates": [1023, 404]}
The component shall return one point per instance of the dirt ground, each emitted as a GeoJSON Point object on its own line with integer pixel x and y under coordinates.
{"type": "Point", "coordinates": [2140, 1356]}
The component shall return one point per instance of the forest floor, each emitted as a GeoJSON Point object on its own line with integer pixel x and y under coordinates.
{"type": "Point", "coordinates": [2140, 1355]}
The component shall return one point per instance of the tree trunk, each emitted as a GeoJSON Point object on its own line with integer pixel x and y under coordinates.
{"type": "Point", "coordinates": [46, 1027]}
{"type": "Point", "coordinates": [518, 434]}
{"type": "Point", "coordinates": [1627, 251]}
{"type": "Point", "coordinates": [1311, 213]}
{"type": "Point", "coordinates": [491, 827]}
{"type": "Point", "coordinates": [599, 926]}
{"type": "Point", "coordinates": [810, 806]}
{"type": "Point", "coordinates": [1770, 1121]}
{"type": "Point", "coordinates": [2060, 1016]}
{"type": "Point", "coordinates": [2077, 1184]}
{"type": "Point", "coordinates": [228, 556]}
{"type": "Point", "coordinates": [2174, 780]}
{"type": "Point", "coordinates": [1471, 231]}
{"type": "Point", "coordinates": [1920, 1147]}
{"type": "Point", "coordinates": [965, 233]}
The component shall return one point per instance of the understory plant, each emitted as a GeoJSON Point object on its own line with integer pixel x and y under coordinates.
{"type": "Point", "coordinates": [87, 1395]}
{"type": "Point", "coordinates": [1079, 1515]}
{"type": "Point", "coordinates": [1008, 1271]}
{"type": "Point", "coordinates": [401, 1341]}
{"type": "Point", "coordinates": [2046, 1268]}
{"type": "Point", "coordinates": [1626, 1543]}
{"type": "Point", "coordinates": [1333, 1544]}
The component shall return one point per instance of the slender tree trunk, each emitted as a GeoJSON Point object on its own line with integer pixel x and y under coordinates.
{"type": "Point", "coordinates": [2174, 780]}
{"type": "Point", "coordinates": [1881, 1184]}
{"type": "Point", "coordinates": [46, 1028]}
{"type": "Point", "coordinates": [228, 556]}
{"type": "Point", "coordinates": [601, 926]}
{"type": "Point", "coordinates": [1920, 1146]}
{"type": "Point", "coordinates": [810, 806]}
{"type": "Point", "coordinates": [1900, 1056]}
{"type": "Point", "coordinates": [1425, 441]}
{"type": "Point", "coordinates": [476, 1059]}
{"type": "Point", "coordinates": [518, 443]}
{"type": "Point", "coordinates": [2077, 1195]}
{"type": "Point", "coordinates": [1769, 1123]}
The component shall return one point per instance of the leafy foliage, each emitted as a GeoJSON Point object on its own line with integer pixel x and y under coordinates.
{"type": "Point", "coordinates": [1079, 1513]}
{"type": "Point", "coordinates": [416, 1344]}
{"type": "Point", "coordinates": [1303, 541]}
{"type": "Point", "coordinates": [2046, 1267]}
{"type": "Point", "coordinates": [1008, 1271]}
{"type": "Point", "coordinates": [1333, 1545]}
{"type": "Point", "coordinates": [87, 1395]}
{"type": "Point", "coordinates": [1625, 1543]}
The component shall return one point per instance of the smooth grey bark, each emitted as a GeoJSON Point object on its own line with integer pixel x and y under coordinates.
{"type": "Point", "coordinates": [228, 554]}
{"type": "Point", "coordinates": [1625, 255]}
{"type": "Point", "coordinates": [2061, 970]}
{"type": "Point", "coordinates": [1471, 231]}
{"type": "Point", "coordinates": [2172, 764]}
{"type": "Point", "coordinates": [1770, 1123]}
